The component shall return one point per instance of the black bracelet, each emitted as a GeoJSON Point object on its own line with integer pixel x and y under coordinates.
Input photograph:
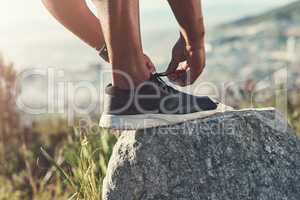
{"type": "Point", "coordinates": [103, 53]}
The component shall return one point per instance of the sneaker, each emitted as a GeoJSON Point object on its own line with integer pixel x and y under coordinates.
{"type": "Point", "coordinates": [153, 104]}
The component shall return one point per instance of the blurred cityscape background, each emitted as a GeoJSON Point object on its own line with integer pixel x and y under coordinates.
{"type": "Point", "coordinates": [253, 60]}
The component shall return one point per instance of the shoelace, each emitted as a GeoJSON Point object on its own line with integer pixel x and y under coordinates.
{"type": "Point", "coordinates": [162, 83]}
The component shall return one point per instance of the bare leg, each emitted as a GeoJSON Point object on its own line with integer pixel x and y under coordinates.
{"type": "Point", "coordinates": [120, 22]}
{"type": "Point", "coordinates": [76, 17]}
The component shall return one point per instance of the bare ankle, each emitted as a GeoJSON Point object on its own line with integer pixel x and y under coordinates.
{"type": "Point", "coordinates": [129, 80]}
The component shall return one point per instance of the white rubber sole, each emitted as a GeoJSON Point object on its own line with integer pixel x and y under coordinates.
{"type": "Point", "coordinates": [134, 122]}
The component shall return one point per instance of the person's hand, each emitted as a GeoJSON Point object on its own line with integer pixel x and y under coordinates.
{"type": "Point", "coordinates": [149, 63]}
{"type": "Point", "coordinates": [187, 63]}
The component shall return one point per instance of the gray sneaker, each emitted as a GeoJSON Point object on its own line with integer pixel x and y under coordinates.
{"type": "Point", "coordinates": [153, 104]}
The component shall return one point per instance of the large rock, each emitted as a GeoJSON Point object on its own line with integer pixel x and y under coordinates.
{"type": "Point", "coordinates": [249, 154]}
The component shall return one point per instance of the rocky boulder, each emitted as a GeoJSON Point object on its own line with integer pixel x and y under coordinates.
{"type": "Point", "coordinates": [236, 155]}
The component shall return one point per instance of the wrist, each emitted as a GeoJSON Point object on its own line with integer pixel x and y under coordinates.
{"type": "Point", "coordinates": [195, 46]}
{"type": "Point", "coordinates": [194, 38]}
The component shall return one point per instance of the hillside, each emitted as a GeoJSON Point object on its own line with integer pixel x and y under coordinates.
{"type": "Point", "coordinates": [288, 13]}
{"type": "Point", "coordinates": [255, 47]}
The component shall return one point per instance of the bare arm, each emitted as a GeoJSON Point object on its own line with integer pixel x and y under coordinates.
{"type": "Point", "coordinates": [77, 17]}
{"type": "Point", "coordinates": [190, 47]}
{"type": "Point", "coordinates": [190, 18]}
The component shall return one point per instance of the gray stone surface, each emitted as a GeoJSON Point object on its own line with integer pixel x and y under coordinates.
{"type": "Point", "coordinates": [249, 154]}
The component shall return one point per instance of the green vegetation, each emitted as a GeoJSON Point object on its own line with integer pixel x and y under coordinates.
{"type": "Point", "coordinates": [71, 164]}
{"type": "Point", "coordinates": [86, 158]}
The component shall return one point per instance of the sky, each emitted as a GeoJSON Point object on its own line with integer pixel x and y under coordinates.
{"type": "Point", "coordinates": [19, 11]}
{"type": "Point", "coordinates": [31, 37]}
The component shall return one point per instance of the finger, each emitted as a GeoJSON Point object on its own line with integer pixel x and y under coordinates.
{"type": "Point", "coordinates": [193, 75]}
{"type": "Point", "coordinates": [195, 72]}
{"type": "Point", "coordinates": [190, 77]}
{"type": "Point", "coordinates": [179, 77]}
{"type": "Point", "coordinates": [149, 63]}
{"type": "Point", "coordinates": [186, 76]}
{"type": "Point", "coordinates": [172, 76]}
{"type": "Point", "coordinates": [172, 66]}
{"type": "Point", "coordinates": [196, 64]}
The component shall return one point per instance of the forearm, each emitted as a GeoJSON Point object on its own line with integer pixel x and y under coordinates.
{"type": "Point", "coordinates": [76, 17]}
{"type": "Point", "coordinates": [190, 18]}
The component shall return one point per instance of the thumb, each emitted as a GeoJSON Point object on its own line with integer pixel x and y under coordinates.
{"type": "Point", "coordinates": [172, 66]}
{"type": "Point", "coordinates": [178, 56]}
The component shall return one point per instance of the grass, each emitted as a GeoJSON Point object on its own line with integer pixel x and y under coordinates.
{"type": "Point", "coordinates": [87, 158]}
{"type": "Point", "coordinates": [73, 168]}
{"type": "Point", "coordinates": [70, 165]}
